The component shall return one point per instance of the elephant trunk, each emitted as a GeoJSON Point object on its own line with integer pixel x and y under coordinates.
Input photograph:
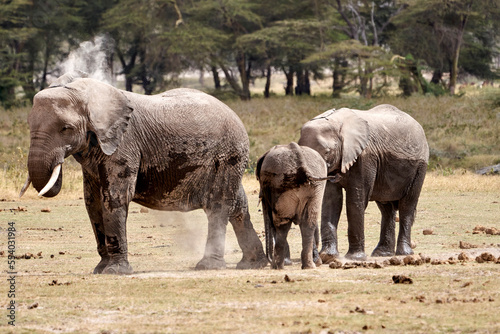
{"type": "Point", "coordinates": [45, 172]}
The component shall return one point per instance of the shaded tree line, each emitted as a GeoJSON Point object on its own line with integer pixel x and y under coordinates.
{"type": "Point", "coordinates": [361, 44]}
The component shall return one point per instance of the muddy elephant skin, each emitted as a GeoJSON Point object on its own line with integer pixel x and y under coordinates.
{"type": "Point", "coordinates": [292, 183]}
{"type": "Point", "coordinates": [180, 150]}
{"type": "Point", "coordinates": [377, 155]}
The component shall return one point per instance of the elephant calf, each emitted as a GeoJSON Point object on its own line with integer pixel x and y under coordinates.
{"type": "Point", "coordinates": [292, 183]}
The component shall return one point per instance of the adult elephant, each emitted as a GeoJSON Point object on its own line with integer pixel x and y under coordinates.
{"type": "Point", "coordinates": [377, 155]}
{"type": "Point", "coordinates": [180, 150]}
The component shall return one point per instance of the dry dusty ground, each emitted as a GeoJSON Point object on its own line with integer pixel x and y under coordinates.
{"type": "Point", "coordinates": [56, 293]}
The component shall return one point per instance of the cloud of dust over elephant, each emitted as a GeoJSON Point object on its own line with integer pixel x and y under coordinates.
{"type": "Point", "coordinates": [93, 58]}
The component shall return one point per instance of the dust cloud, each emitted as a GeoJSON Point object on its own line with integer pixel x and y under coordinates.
{"type": "Point", "coordinates": [93, 58]}
{"type": "Point", "coordinates": [188, 235]}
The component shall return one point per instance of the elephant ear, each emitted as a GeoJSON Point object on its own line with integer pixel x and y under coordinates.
{"type": "Point", "coordinates": [109, 112]}
{"type": "Point", "coordinates": [259, 165]}
{"type": "Point", "coordinates": [355, 134]}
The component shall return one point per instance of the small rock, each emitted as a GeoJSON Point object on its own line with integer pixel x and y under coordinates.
{"type": "Point", "coordinates": [466, 245]}
{"type": "Point", "coordinates": [428, 232]}
{"type": "Point", "coordinates": [395, 261]}
{"type": "Point", "coordinates": [425, 258]}
{"type": "Point", "coordinates": [402, 279]}
{"type": "Point", "coordinates": [488, 257]}
{"type": "Point", "coordinates": [45, 210]}
{"type": "Point", "coordinates": [32, 306]}
{"type": "Point", "coordinates": [335, 264]}
{"type": "Point", "coordinates": [463, 257]}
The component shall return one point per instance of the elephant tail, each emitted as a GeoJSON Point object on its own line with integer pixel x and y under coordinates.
{"type": "Point", "coordinates": [269, 228]}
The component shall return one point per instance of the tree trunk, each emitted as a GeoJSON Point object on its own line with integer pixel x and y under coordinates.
{"type": "Point", "coordinates": [338, 77]}
{"type": "Point", "coordinates": [456, 53]}
{"type": "Point", "coordinates": [303, 83]}
{"type": "Point", "coordinates": [244, 76]}
{"type": "Point", "coordinates": [215, 74]}
{"type": "Point", "coordinates": [268, 81]}
{"type": "Point", "coordinates": [437, 76]}
{"type": "Point", "coordinates": [231, 80]}
{"type": "Point", "coordinates": [289, 81]}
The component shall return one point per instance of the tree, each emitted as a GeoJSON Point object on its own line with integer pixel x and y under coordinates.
{"type": "Point", "coordinates": [138, 28]}
{"type": "Point", "coordinates": [225, 21]}
{"type": "Point", "coordinates": [365, 22]}
{"type": "Point", "coordinates": [436, 31]}
{"type": "Point", "coordinates": [14, 35]}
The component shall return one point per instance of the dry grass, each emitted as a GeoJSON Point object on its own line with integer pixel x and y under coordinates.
{"type": "Point", "coordinates": [167, 295]}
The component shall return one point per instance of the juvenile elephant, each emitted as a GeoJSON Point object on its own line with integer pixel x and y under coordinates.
{"type": "Point", "coordinates": [292, 183]}
{"type": "Point", "coordinates": [377, 155]}
{"type": "Point", "coordinates": [180, 150]}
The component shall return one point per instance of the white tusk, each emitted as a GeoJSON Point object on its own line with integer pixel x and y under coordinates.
{"type": "Point", "coordinates": [52, 181]}
{"type": "Point", "coordinates": [25, 187]}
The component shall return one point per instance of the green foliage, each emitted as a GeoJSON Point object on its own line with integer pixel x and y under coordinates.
{"type": "Point", "coordinates": [156, 40]}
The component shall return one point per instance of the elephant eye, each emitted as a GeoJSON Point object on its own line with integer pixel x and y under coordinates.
{"type": "Point", "coordinates": [66, 128]}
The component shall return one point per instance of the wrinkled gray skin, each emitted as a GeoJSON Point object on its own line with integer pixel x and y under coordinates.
{"type": "Point", "coordinates": [291, 190]}
{"type": "Point", "coordinates": [377, 155]}
{"type": "Point", "coordinates": [180, 150]}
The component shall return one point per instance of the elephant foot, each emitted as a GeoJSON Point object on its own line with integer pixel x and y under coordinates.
{"type": "Point", "coordinates": [287, 262]}
{"type": "Point", "coordinates": [121, 268]}
{"type": "Point", "coordinates": [257, 264]}
{"type": "Point", "coordinates": [329, 253]}
{"type": "Point", "coordinates": [356, 256]}
{"type": "Point", "coordinates": [275, 265]}
{"type": "Point", "coordinates": [382, 251]}
{"type": "Point", "coordinates": [404, 249]}
{"type": "Point", "coordinates": [309, 266]}
{"type": "Point", "coordinates": [210, 264]}
{"type": "Point", "coordinates": [100, 267]}
{"type": "Point", "coordinates": [326, 258]}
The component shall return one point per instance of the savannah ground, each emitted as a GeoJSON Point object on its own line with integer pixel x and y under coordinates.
{"type": "Point", "coordinates": [55, 291]}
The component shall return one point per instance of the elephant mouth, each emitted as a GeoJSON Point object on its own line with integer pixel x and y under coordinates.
{"type": "Point", "coordinates": [49, 189]}
{"type": "Point", "coordinates": [53, 186]}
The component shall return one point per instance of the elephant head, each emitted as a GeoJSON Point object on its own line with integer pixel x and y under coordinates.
{"type": "Point", "coordinates": [338, 135]}
{"type": "Point", "coordinates": [63, 118]}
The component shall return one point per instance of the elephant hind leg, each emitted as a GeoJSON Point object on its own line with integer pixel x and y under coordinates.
{"type": "Point", "coordinates": [213, 257]}
{"type": "Point", "coordinates": [407, 211]}
{"type": "Point", "coordinates": [253, 252]}
{"type": "Point", "coordinates": [387, 242]}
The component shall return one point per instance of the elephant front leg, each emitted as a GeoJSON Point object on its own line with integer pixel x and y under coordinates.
{"type": "Point", "coordinates": [387, 241]}
{"type": "Point", "coordinates": [356, 227]}
{"type": "Point", "coordinates": [93, 203]}
{"type": "Point", "coordinates": [116, 195]}
{"type": "Point", "coordinates": [215, 246]}
{"type": "Point", "coordinates": [330, 215]}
